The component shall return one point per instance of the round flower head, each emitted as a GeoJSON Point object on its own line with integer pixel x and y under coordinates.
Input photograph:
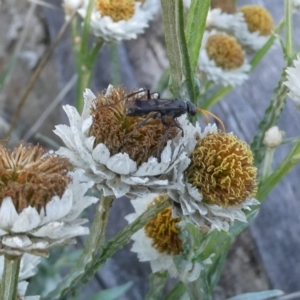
{"type": "Point", "coordinates": [40, 200]}
{"type": "Point", "coordinates": [293, 81]}
{"type": "Point", "coordinates": [120, 153]}
{"type": "Point", "coordinates": [158, 241]}
{"type": "Point", "coordinates": [273, 137]}
{"type": "Point", "coordinates": [219, 182]}
{"type": "Point", "coordinates": [256, 29]}
{"type": "Point", "coordinates": [222, 59]}
{"type": "Point", "coordinates": [117, 20]}
{"type": "Point", "coordinates": [27, 270]}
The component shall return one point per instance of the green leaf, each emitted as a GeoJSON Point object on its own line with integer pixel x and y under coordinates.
{"type": "Point", "coordinates": [113, 293]}
{"type": "Point", "coordinates": [177, 292]}
{"type": "Point", "coordinates": [265, 295]}
{"type": "Point", "coordinates": [195, 27]}
{"type": "Point", "coordinates": [281, 171]}
{"type": "Point", "coordinates": [198, 261]}
{"type": "Point", "coordinates": [239, 226]}
{"type": "Point", "coordinates": [157, 283]}
{"type": "Point", "coordinates": [181, 74]}
{"type": "Point", "coordinates": [214, 270]}
{"type": "Point", "coordinates": [96, 253]}
{"type": "Point", "coordinates": [269, 119]}
{"type": "Point", "coordinates": [259, 55]}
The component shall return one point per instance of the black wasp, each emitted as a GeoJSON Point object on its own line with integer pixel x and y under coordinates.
{"type": "Point", "coordinates": [152, 106]}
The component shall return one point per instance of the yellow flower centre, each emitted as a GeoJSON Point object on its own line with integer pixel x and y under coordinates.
{"type": "Point", "coordinates": [228, 6]}
{"type": "Point", "coordinates": [116, 9]}
{"type": "Point", "coordinates": [164, 233]}
{"type": "Point", "coordinates": [258, 19]}
{"type": "Point", "coordinates": [225, 51]}
{"type": "Point", "coordinates": [112, 127]}
{"type": "Point", "coordinates": [31, 177]}
{"type": "Point", "coordinates": [222, 169]}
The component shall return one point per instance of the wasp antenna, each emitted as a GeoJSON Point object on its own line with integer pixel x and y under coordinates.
{"type": "Point", "coordinates": [206, 112]}
{"type": "Point", "coordinates": [206, 115]}
{"type": "Point", "coordinates": [126, 97]}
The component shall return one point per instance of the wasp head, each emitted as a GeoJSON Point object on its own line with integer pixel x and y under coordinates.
{"type": "Point", "coordinates": [190, 108]}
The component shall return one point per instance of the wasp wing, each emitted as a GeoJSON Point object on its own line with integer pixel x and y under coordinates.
{"type": "Point", "coordinates": [139, 107]}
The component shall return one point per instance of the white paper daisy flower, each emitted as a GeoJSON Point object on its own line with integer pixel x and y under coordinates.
{"type": "Point", "coordinates": [256, 29]}
{"type": "Point", "coordinates": [157, 242]}
{"type": "Point", "coordinates": [223, 21]}
{"type": "Point", "coordinates": [40, 201]}
{"type": "Point", "coordinates": [293, 81]}
{"type": "Point", "coordinates": [219, 183]}
{"type": "Point", "coordinates": [222, 59]}
{"type": "Point", "coordinates": [27, 269]}
{"type": "Point", "coordinates": [119, 155]}
{"type": "Point", "coordinates": [117, 20]}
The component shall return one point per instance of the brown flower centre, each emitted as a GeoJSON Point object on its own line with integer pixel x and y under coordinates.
{"type": "Point", "coordinates": [116, 9]}
{"type": "Point", "coordinates": [225, 51]}
{"type": "Point", "coordinates": [222, 169]}
{"type": "Point", "coordinates": [119, 132]}
{"type": "Point", "coordinates": [31, 177]}
{"type": "Point", "coordinates": [164, 233]}
{"type": "Point", "coordinates": [228, 6]}
{"type": "Point", "coordinates": [258, 19]}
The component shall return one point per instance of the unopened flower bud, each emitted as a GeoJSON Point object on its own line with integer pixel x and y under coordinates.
{"type": "Point", "coordinates": [273, 137]}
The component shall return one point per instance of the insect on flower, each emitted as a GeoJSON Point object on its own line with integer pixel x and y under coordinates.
{"type": "Point", "coordinates": [145, 103]}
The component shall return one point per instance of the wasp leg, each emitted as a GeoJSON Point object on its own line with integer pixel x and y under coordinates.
{"type": "Point", "coordinates": [150, 116]}
{"type": "Point", "coordinates": [176, 123]}
{"type": "Point", "coordinates": [165, 136]}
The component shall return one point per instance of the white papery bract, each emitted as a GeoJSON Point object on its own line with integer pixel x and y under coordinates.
{"type": "Point", "coordinates": [293, 81]}
{"type": "Point", "coordinates": [143, 245]}
{"type": "Point", "coordinates": [223, 21]}
{"type": "Point", "coordinates": [105, 28]}
{"type": "Point", "coordinates": [27, 269]}
{"type": "Point", "coordinates": [217, 74]}
{"type": "Point", "coordinates": [206, 216]}
{"type": "Point", "coordinates": [118, 174]}
{"type": "Point", "coordinates": [35, 231]}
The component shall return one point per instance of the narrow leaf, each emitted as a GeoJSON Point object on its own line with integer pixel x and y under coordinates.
{"type": "Point", "coordinates": [195, 26]}
{"type": "Point", "coordinates": [113, 293]}
{"type": "Point", "coordinates": [265, 295]}
{"type": "Point", "coordinates": [157, 283]}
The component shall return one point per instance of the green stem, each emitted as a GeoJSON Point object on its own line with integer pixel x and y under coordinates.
{"type": "Point", "coordinates": [176, 292]}
{"type": "Point", "coordinates": [83, 82]}
{"type": "Point", "coordinates": [289, 29]}
{"type": "Point", "coordinates": [9, 282]}
{"type": "Point", "coordinates": [291, 160]}
{"type": "Point", "coordinates": [93, 245]}
{"type": "Point", "coordinates": [92, 259]}
{"type": "Point", "coordinates": [268, 163]}
{"type": "Point", "coordinates": [221, 93]}
{"type": "Point", "coordinates": [181, 74]}
{"type": "Point", "coordinates": [85, 70]}
{"type": "Point", "coordinates": [115, 65]}
{"type": "Point", "coordinates": [86, 28]}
